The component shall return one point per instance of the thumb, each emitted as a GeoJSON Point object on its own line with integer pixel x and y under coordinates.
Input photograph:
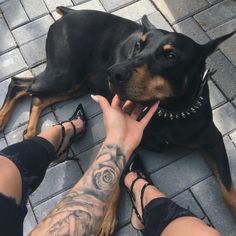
{"type": "Point", "coordinates": [102, 101]}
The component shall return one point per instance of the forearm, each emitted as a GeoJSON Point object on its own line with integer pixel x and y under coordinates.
{"type": "Point", "coordinates": [82, 210]}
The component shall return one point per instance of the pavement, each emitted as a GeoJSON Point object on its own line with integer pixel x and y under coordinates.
{"type": "Point", "coordinates": [182, 174]}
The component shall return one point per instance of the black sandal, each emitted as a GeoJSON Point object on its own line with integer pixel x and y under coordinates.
{"type": "Point", "coordinates": [135, 165]}
{"type": "Point", "coordinates": [79, 113]}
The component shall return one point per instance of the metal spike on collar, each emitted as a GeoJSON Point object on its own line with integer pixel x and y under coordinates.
{"type": "Point", "coordinates": [199, 103]}
{"type": "Point", "coordinates": [159, 113]}
{"type": "Point", "coordinates": [192, 110]}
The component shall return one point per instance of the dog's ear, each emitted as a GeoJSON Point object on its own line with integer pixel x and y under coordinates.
{"type": "Point", "coordinates": [147, 25]}
{"type": "Point", "coordinates": [211, 46]}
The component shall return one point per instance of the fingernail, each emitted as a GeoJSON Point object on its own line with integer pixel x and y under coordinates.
{"type": "Point", "coordinates": [94, 98]}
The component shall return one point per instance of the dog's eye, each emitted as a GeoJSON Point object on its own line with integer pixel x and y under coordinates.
{"type": "Point", "coordinates": [171, 56]}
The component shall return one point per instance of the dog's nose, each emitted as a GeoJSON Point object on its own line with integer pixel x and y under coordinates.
{"type": "Point", "coordinates": [118, 74]}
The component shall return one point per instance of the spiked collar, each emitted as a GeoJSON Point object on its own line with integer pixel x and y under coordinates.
{"type": "Point", "coordinates": [191, 110]}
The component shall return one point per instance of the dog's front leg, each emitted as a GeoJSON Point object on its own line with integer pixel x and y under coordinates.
{"type": "Point", "coordinates": [218, 160]}
{"type": "Point", "coordinates": [110, 220]}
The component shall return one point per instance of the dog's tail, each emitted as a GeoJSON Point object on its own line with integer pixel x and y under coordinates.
{"type": "Point", "coordinates": [64, 10]}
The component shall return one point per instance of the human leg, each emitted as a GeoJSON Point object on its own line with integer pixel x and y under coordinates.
{"type": "Point", "coordinates": [23, 166]}
{"type": "Point", "coordinates": [160, 215]}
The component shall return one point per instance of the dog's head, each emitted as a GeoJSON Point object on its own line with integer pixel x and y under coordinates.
{"type": "Point", "coordinates": [160, 65]}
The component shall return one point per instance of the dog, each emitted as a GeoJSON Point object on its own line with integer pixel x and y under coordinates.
{"type": "Point", "coordinates": [100, 53]}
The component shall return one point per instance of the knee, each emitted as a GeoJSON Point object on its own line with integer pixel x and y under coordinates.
{"type": "Point", "coordinates": [209, 231]}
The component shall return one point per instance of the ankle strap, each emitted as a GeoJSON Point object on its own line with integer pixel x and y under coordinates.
{"type": "Point", "coordinates": [142, 195]}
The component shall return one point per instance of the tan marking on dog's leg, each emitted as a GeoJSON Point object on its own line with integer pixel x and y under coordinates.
{"type": "Point", "coordinates": [38, 105]}
{"type": "Point", "coordinates": [228, 195]}
{"type": "Point", "coordinates": [7, 107]}
{"type": "Point", "coordinates": [167, 47]}
{"type": "Point", "coordinates": [110, 220]}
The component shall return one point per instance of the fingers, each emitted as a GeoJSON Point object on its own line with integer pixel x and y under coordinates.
{"type": "Point", "coordinates": [149, 114]}
{"type": "Point", "coordinates": [128, 106]}
{"type": "Point", "coordinates": [104, 104]}
{"type": "Point", "coordinates": [136, 111]}
{"type": "Point", "coordinates": [115, 101]}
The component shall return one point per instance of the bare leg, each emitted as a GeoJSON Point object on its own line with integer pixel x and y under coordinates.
{"type": "Point", "coordinates": [10, 178]}
{"type": "Point", "coordinates": [183, 226]}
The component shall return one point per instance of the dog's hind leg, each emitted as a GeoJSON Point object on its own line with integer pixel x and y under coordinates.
{"type": "Point", "coordinates": [218, 160]}
{"type": "Point", "coordinates": [16, 89]}
{"type": "Point", "coordinates": [37, 106]}
{"type": "Point", "coordinates": [110, 220]}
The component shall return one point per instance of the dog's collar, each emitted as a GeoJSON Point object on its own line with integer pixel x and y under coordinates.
{"type": "Point", "coordinates": [194, 108]}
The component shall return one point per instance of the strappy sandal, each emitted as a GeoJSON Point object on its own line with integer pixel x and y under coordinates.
{"type": "Point", "coordinates": [135, 165]}
{"type": "Point", "coordinates": [79, 113]}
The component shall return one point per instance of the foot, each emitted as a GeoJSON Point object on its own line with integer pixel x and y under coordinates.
{"type": "Point", "coordinates": [151, 192]}
{"type": "Point", "coordinates": [54, 136]}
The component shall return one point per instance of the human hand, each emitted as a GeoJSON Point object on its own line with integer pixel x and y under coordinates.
{"type": "Point", "coordinates": [121, 125]}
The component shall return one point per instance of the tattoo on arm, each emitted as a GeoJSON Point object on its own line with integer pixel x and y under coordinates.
{"type": "Point", "coordinates": [82, 210]}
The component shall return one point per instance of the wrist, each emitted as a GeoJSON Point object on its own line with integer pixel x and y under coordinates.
{"type": "Point", "coordinates": [125, 148]}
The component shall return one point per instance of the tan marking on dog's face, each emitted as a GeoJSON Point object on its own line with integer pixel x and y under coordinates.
{"type": "Point", "coordinates": [143, 38]}
{"type": "Point", "coordinates": [168, 47]}
{"type": "Point", "coordinates": [144, 87]}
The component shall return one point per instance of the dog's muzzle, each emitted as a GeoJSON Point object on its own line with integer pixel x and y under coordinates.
{"type": "Point", "coordinates": [118, 75]}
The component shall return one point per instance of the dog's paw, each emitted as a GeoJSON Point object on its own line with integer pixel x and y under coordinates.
{"type": "Point", "coordinates": [28, 134]}
{"type": "Point", "coordinates": [108, 226]}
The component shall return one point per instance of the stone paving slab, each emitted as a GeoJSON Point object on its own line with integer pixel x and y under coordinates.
{"type": "Point", "coordinates": [208, 192]}
{"type": "Point", "coordinates": [231, 150]}
{"type": "Point", "coordinates": [225, 118]}
{"type": "Point", "coordinates": [33, 30]}
{"type": "Point", "coordinates": [233, 137]}
{"type": "Point", "coordinates": [188, 170]}
{"type": "Point", "coordinates": [3, 143]}
{"type": "Point", "coordinates": [35, 10]}
{"type": "Point", "coordinates": [159, 21]}
{"type": "Point", "coordinates": [93, 135]}
{"type": "Point", "coordinates": [14, 13]}
{"type": "Point", "coordinates": [34, 52]}
{"type": "Point", "coordinates": [187, 201]}
{"type": "Point", "coordinates": [113, 5]}
{"type": "Point", "coordinates": [6, 39]}
{"type": "Point", "coordinates": [52, 4]}
{"type": "Point", "coordinates": [176, 11]}
{"type": "Point", "coordinates": [127, 230]}
{"type": "Point", "coordinates": [155, 161]}
{"type": "Point", "coordinates": [30, 220]}
{"type": "Point", "coordinates": [42, 210]}
{"type": "Point", "coordinates": [15, 135]}
{"type": "Point", "coordinates": [192, 29]}
{"type": "Point", "coordinates": [11, 63]}
{"type": "Point", "coordinates": [214, 1]}
{"type": "Point", "coordinates": [86, 158]}
{"type": "Point", "coordinates": [216, 14]}
{"type": "Point", "coordinates": [216, 97]}
{"type": "Point", "coordinates": [226, 47]}
{"type": "Point", "coordinates": [60, 178]}
{"type": "Point", "coordinates": [136, 10]}
{"type": "Point", "coordinates": [225, 74]}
